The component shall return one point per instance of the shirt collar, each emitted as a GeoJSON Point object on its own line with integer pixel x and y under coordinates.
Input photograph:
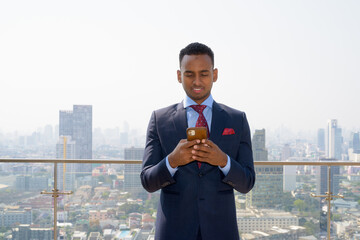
{"type": "Point", "coordinates": [208, 102]}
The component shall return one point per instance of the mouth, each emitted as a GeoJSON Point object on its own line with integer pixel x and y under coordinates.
{"type": "Point", "coordinates": [197, 90]}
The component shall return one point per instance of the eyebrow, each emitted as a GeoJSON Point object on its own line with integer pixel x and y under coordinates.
{"type": "Point", "coordinates": [202, 71]}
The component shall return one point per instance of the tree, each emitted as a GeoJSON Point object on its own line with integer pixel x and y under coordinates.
{"type": "Point", "coordinates": [300, 205]}
{"type": "Point", "coordinates": [311, 228]}
{"type": "Point", "coordinates": [130, 208]}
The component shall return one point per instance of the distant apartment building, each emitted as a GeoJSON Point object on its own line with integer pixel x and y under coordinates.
{"type": "Point", "coordinates": [333, 140]}
{"type": "Point", "coordinates": [11, 217]}
{"type": "Point", "coordinates": [285, 152]}
{"type": "Point", "coordinates": [25, 232]}
{"type": "Point", "coordinates": [260, 152]}
{"type": "Point", "coordinates": [78, 124]}
{"type": "Point", "coordinates": [31, 183]}
{"type": "Point", "coordinates": [321, 139]}
{"type": "Point", "coordinates": [289, 176]}
{"type": "Point", "coordinates": [355, 142]}
{"type": "Point", "coordinates": [94, 236]}
{"type": "Point", "coordinates": [108, 234]}
{"type": "Point", "coordinates": [134, 220]}
{"type": "Point", "coordinates": [95, 216]}
{"type": "Point", "coordinates": [79, 235]}
{"type": "Point", "coordinates": [250, 220]}
{"type": "Point", "coordinates": [66, 172]}
{"type": "Point", "coordinates": [132, 182]}
{"type": "Point", "coordinates": [322, 178]}
{"type": "Point", "coordinates": [276, 233]}
{"type": "Point", "coordinates": [268, 189]}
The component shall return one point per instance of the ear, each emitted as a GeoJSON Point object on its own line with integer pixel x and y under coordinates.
{"type": "Point", "coordinates": [215, 75]}
{"type": "Point", "coordinates": [179, 76]}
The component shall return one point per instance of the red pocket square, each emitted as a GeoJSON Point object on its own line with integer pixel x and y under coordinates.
{"type": "Point", "coordinates": [228, 131]}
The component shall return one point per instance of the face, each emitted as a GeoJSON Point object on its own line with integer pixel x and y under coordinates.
{"type": "Point", "coordinates": [197, 75]}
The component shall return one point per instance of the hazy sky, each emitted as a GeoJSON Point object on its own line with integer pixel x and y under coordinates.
{"type": "Point", "coordinates": [290, 63]}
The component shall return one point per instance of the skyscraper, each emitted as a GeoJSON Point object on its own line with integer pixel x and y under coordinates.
{"type": "Point", "coordinates": [268, 190]}
{"type": "Point", "coordinates": [78, 125]}
{"type": "Point", "coordinates": [132, 183]}
{"type": "Point", "coordinates": [260, 153]}
{"type": "Point", "coordinates": [289, 172]}
{"type": "Point", "coordinates": [333, 140]}
{"type": "Point", "coordinates": [355, 142]}
{"type": "Point", "coordinates": [321, 139]}
{"type": "Point", "coordinates": [322, 178]}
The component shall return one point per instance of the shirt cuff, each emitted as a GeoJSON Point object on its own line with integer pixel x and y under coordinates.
{"type": "Point", "coordinates": [171, 170]}
{"type": "Point", "coordinates": [226, 169]}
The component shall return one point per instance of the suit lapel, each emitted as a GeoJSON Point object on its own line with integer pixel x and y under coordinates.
{"type": "Point", "coordinates": [180, 121]}
{"type": "Point", "coordinates": [218, 123]}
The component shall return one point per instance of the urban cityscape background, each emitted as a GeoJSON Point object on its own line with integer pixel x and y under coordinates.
{"type": "Point", "coordinates": [108, 201]}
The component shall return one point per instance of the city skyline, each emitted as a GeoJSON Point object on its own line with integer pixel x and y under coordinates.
{"type": "Point", "coordinates": [291, 64]}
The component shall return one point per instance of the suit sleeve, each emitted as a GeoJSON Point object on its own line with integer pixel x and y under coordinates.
{"type": "Point", "coordinates": [242, 174]}
{"type": "Point", "coordinates": [154, 174]}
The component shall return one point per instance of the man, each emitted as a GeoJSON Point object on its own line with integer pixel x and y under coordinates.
{"type": "Point", "coordinates": [196, 177]}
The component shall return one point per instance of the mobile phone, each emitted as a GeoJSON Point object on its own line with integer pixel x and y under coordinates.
{"type": "Point", "coordinates": [196, 133]}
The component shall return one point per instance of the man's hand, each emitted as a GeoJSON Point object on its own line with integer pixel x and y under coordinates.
{"type": "Point", "coordinates": [182, 153]}
{"type": "Point", "coordinates": [209, 152]}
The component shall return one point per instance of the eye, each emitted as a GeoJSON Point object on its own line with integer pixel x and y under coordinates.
{"type": "Point", "coordinates": [188, 74]}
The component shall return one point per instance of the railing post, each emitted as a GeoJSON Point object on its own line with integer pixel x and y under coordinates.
{"type": "Point", "coordinates": [55, 194]}
{"type": "Point", "coordinates": [328, 196]}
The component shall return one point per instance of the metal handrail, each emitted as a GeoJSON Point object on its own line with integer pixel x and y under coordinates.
{"type": "Point", "coordinates": [119, 161]}
{"type": "Point", "coordinates": [50, 160]}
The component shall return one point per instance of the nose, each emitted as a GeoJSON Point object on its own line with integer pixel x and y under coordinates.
{"type": "Point", "coordinates": [197, 80]}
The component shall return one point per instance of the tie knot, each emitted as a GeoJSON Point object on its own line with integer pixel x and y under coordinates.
{"type": "Point", "coordinates": [198, 108]}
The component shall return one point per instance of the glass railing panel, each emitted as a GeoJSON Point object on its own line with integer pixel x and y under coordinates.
{"type": "Point", "coordinates": [108, 201]}
{"type": "Point", "coordinates": [345, 211]}
{"type": "Point", "coordinates": [280, 205]}
{"type": "Point", "coordinates": [23, 210]}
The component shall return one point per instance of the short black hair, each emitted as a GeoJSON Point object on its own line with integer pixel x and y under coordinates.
{"type": "Point", "coordinates": [196, 48]}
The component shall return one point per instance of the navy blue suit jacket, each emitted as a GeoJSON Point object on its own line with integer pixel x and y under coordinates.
{"type": "Point", "coordinates": [197, 198]}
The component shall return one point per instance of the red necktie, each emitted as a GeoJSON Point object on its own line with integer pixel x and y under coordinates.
{"type": "Point", "coordinates": [201, 121]}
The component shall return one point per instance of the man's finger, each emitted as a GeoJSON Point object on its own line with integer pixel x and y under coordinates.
{"type": "Point", "coordinates": [208, 142]}
{"type": "Point", "coordinates": [202, 147]}
{"type": "Point", "coordinates": [192, 143]}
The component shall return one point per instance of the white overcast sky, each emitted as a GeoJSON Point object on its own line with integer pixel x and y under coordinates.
{"type": "Point", "coordinates": [285, 63]}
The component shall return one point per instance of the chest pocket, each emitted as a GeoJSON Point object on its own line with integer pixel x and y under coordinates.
{"type": "Point", "coordinates": [229, 144]}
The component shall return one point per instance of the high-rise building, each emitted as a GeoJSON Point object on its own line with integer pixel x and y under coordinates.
{"type": "Point", "coordinates": [82, 131]}
{"type": "Point", "coordinates": [25, 232]}
{"type": "Point", "coordinates": [333, 140]}
{"type": "Point", "coordinates": [355, 142]}
{"type": "Point", "coordinates": [268, 190]}
{"type": "Point", "coordinates": [31, 183]}
{"type": "Point", "coordinates": [66, 171]}
{"type": "Point", "coordinates": [322, 178]}
{"type": "Point", "coordinates": [321, 139]}
{"type": "Point", "coordinates": [289, 183]}
{"type": "Point", "coordinates": [9, 217]}
{"type": "Point", "coordinates": [260, 153]}
{"type": "Point", "coordinates": [78, 125]}
{"type": "Point", "coordinates": [65, 123]}
{"type": "Point", "coordinates": [132, 183]}
{"type": "Point", "coordinates": [285, 152]}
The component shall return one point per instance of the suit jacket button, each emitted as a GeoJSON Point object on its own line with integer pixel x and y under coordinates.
{"type": "Point", "coordinates": [200, 174]}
